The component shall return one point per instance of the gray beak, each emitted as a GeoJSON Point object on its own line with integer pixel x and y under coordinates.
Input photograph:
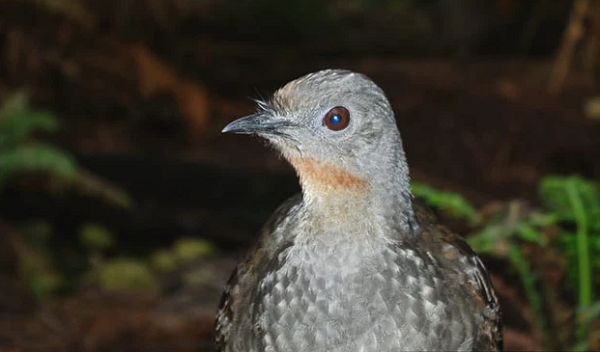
{"type": "Point", "coordinates": [261, 124]}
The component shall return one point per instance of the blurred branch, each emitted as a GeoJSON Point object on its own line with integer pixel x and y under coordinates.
{"type": "Point", "coordinates": [97, 187]}
{"type": "Point", "coordinates": [571, 38]}
{"type": "Point", "coordinates": [590, 50]}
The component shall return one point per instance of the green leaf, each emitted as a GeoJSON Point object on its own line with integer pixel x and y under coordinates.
{"type": "Point", "coordinates": [576, 200]}
{"type": "Point", "coordinates": [448, 201]}
{"type": "Point", "coordinates": [96, 237]}
{"type": "Point", "coordinates": [37, 158]}
{"type": "Point", "coordinates": [18, 121]}
{"type": "Point", "coordinates": [192, 248]}
{"type": "Point", "coordinates": [485, 240]}
{"type": "Point", "coordinates": [528, 280]}
{"type": "Point", "coordinates": [163, 260]}
{"type": "Point", "coordinates": [528, 233]}
{"type": "Point", "coordinates": [125, 274]}
{"type": "Point", "coordinates": [18, 127]}
{"type": "Point", "coordinates": [542, 220]}
{"type": "Point", "coordinates": [553, 191]}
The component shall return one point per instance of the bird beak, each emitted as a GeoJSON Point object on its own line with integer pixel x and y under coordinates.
{"type": "Point", "coordinates": [261, 124]}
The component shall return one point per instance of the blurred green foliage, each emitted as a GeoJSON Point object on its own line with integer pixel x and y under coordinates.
{"type": "Point", "coordinates": [184, 251]}
{"type": "Point", "coordinates": [36, 267]}
{"type": "Point", "coordinates": [130, 273]}
{"type": "Point", "coordinates": [575, 201]}
{"type": "Point", "coordinates": [96, 237]}
{"type": "Point", "coordinates": [18, 153]}
{"type": "Point", "coordinates": [126, 273]}
{"type": "Point", "coordinates": [503, 234]}
{"type": "Point", "coordinates": [192, 248]}
{"type": "Point", "coordinates": [557, 194]}
{"type": "Point", "coordinates": [21, 153]}
{"type": "Point", "coordinates": [123, 274]}
{"type": "Point", "coordinates": [164, 260]}
{"type": "Point", "coordinates": [453, 203]}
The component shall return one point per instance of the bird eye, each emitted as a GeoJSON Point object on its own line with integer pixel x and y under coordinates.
{"type": "Point", "coordinates": [337, 118]}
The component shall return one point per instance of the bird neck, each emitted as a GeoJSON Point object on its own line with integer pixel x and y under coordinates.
{"type": "Point", "coordinates": [339, 198]}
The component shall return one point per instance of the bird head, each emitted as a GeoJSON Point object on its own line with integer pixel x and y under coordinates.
{"type": "Point", "coordinates": [338, 131]}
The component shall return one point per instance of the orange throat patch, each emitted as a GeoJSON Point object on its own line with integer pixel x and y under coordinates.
{"type": "Point", "coordinates": [323, 176]}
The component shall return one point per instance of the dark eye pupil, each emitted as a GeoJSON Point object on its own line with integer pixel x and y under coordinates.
{"type": "Point", "coordinates": [335, 119]}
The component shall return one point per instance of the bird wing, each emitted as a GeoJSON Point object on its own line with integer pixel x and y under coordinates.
{"type": "Point", "coordinates": [239, 292]}
{"type": "Point", "coordinates": [489, 335]}
{"type": "Point", "coordinates": [225, 313]}
{"type": "Point", "coordinates": [449, 244]}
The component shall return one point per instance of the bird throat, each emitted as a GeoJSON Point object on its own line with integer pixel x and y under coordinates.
{"type": "Point", "coordinates": [338, 196]}
{"type": "Point", "coordinates": [322, 177]}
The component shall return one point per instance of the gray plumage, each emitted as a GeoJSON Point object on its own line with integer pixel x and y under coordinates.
{"type": "Point", "coordinates": [352, 264]}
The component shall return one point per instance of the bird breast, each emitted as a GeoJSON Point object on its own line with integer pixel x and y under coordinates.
{"type": "Point", "coordinates": [386, 301]}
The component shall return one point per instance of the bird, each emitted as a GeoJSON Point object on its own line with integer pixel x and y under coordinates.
{"type": "Point", "coordinates": [353, 263]}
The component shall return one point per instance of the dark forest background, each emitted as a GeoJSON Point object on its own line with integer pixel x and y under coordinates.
{"type": "Point", "coordinates": [123, 208]}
